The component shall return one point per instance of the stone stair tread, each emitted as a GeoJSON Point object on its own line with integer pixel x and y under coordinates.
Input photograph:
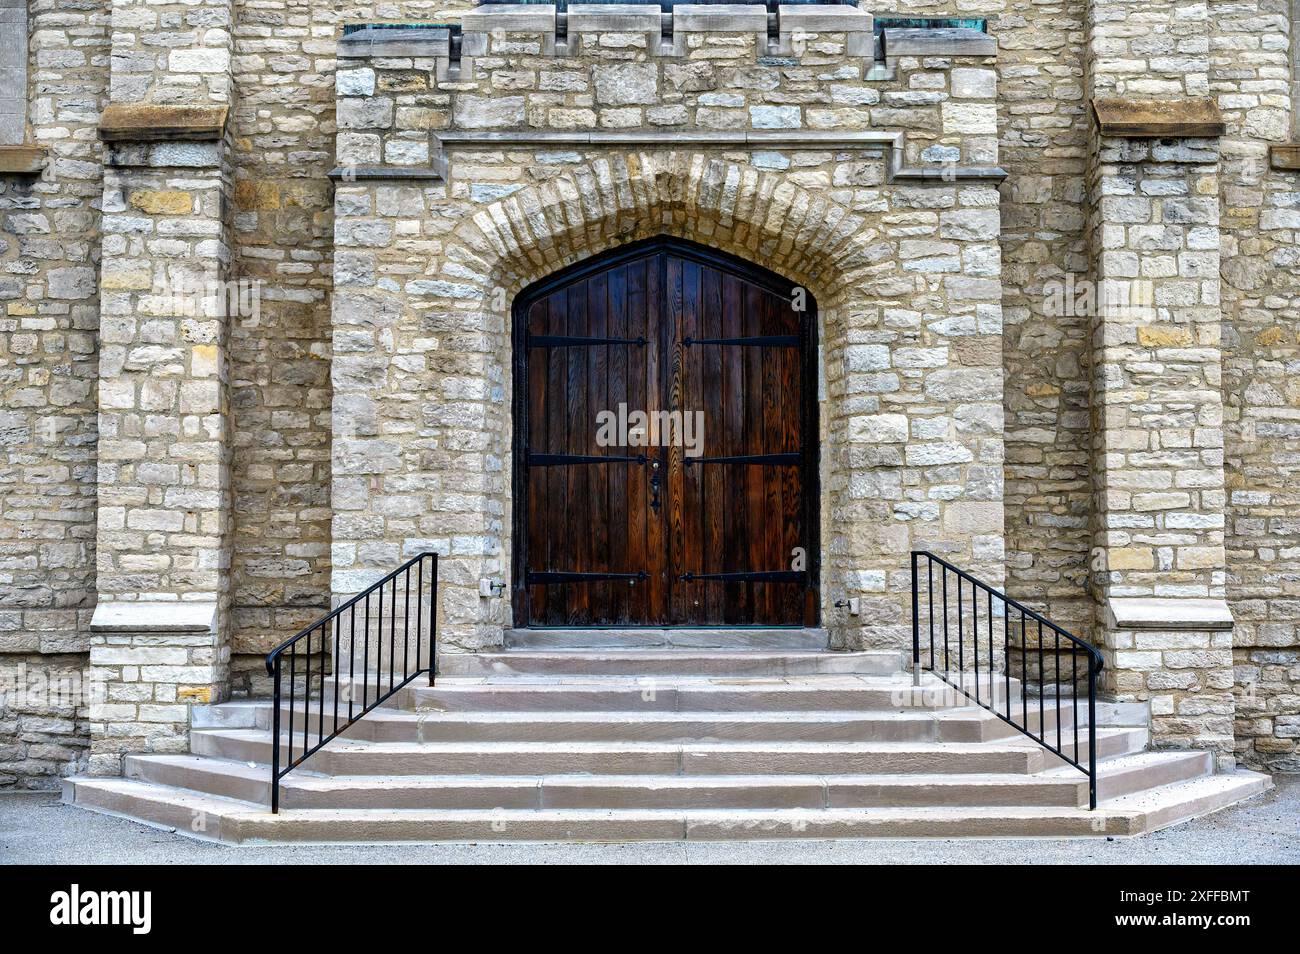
{"type": "Point", "coordinates": [234, 820]}
{"type": "Point", "coordinates": [324, 782]}
{"type": "Point", "coordinates": [616, 716]}
{"type": "Point", "coordinates": [345, 744]}
{"type": "Point", "coordinates": [1229, 784]}
{"type": "Point", "coordinates": [1131, 761]}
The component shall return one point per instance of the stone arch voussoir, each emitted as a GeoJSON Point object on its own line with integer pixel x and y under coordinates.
{"type": "Point", "coordinates": [611, 200]}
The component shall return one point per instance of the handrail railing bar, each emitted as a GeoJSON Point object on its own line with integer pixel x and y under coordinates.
{"type": "Point", "coordinates": [943, 578]}
{"type": "Point", "coordinates": [306, 697]}
{"type": "Point", "coordinates": [992, 692]}
{"type": "Point", "coordinates": [337, 631]}
{"type": "Point", "coordinates": [352, 660]}
{"type": "Point", "coordinates": [342, 606]}
{"type": "Point", "coordinates": [392, 636]}
{"type": "Point", "coordinates": [293, 682]}
{"type": "Point", "coordinates": [975, 636]}
{"type": "Point", "coordinates": [1092, 736]}
{"type": "Point", "coordinates": [406, 631]}
{"type": "Point", "coordinates": [324, 635]}
{"type": "Point", "coordinates": [1074, 700]}
{"type": "Point", "coordinates": [1042, 683]}
{"type": "Point", "coordinates": [1091, 650]}
{"type": "Point", "coordinates": [1024, 670]}
{"type": "Point", "coordinates": [1057, 679]}
{"type": "Point", "coordinates": [419, 617]}
{"type": "Point", "coordinates": [929, 569]}
{"type": "Point", "coordinates": [961, 635]}
{"type": "Point", "coordinates": [275, 743]}
{"type": "Point", "coordinates": [1006, 663]}
{"type": "Point", "coordinates": [365, 655]}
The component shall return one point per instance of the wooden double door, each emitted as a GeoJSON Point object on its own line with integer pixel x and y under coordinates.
{"type": "Point", "coordinates": [665, 444]}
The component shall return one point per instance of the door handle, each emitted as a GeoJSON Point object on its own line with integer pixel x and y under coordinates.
{"type": "Point", "coordinates": [654, 486]}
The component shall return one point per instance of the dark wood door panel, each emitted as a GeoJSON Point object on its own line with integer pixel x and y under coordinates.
{"type": "Point", "coordinates": [698, 535]}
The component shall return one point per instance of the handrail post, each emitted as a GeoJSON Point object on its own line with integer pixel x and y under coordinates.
{"type": "Point", "coordinates": [916, 623]}
{"type": "Point", "coordinates": [1092, 735]}
{"type": "Point", "coordinates": [275, 743]}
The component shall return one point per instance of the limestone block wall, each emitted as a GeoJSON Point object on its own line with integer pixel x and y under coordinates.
{"type": "Point", "coordinates": [49, 321]}
{"type": "Point", "coordinates": [282, 236]}
{"type": "Point", "coordinates": [1253, 54]}
{"type": "Point", "coordinates": [1043, 128]}
{"type": "Point", "coordinates": [905, 273]}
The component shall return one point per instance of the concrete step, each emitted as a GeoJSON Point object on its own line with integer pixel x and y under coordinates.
{"type": "Point", "coordinates": [345, 756]}
{"type": "Point", "coordinates": [1139, 771]}
{"type": "Point", "coordinates": [968, 724]}
{"type": "Point", "coordinates": [763, 640]}
{"type": "Point", "coordinates": [250, 783]}
{"type": "Point", "coordinates": [681, 693]}
{"type": "Point", "coordinates": [668, 662]}
{"type": "Point", "coordinates": [230, 820]}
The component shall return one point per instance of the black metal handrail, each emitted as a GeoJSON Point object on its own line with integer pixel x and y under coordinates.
{"type": "Point", "coordinates": [426, 585]}
{"type": "Point", "coordinates": [968, 659]}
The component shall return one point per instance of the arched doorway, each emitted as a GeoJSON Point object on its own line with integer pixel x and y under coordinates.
{"type": "Point", "coordinates": [665, 443]}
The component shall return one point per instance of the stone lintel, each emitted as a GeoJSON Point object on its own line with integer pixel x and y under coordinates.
{"type": "Point", "coordinates": [432, 42]}
{"type": "Point", "coordinates": [151, 122]}
{"type": "Point", "coordinates": [155, 617]}
{"type": "Point", "coordinates": [22, 160]}
{"type": "Point", "coordinates": [1195, 117]}
{"type": "Point", "coordinates": [719, 18]}
{"type": "Point", "coordinates": [824, 19]}
{"type": "Point", "coordinates": [1286, 156]}
{"type": "Point", "coordinates": [612, 18]}
{"type": "Point", "coordinates": [1168, 613]}
{"type": "Point", "coordinates": [511, 18]}
{"type": "Point", "coordinates": [946, 41]}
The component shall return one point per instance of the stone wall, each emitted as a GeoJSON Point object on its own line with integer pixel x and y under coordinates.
{"type": "Point", "coordinates": [274, 64]}
{"type": "Point", "coordinates": [49, 324]}
{"type": "Point", "coordinates": [283, 129]}
{"type": "Point", "coordinates": [905, 274]}
{"type": "Point", "coordinates": [1251, 79]}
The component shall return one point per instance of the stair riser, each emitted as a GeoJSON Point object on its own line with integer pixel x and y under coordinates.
{"type": "Point", "coordinates": [379, 725]}
{"type": "Point", "coordinates": [667, 762]}
{"type": "Point", "coordinates": [474, 665]}
{"type": "Point", "coordinates": [669, 699]}
{"type": "Point", "coordinates": [186, 815]}
{"type": "Point", "coordinates": [1108, 746]}
{"type": "Point", "coordinates": [581, 793]}
{"type": "Point", "coordinates": [376, 728]}
{"type": "Point", "coordinates": [805, 640]}
{"type": "Point", "coordinates": [210, 779]}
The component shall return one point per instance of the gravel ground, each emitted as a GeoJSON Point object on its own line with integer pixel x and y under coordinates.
{"type": "Point", "coordinates": [37, 829]}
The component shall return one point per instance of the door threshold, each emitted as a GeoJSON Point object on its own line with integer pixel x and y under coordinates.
{"type": "Point", "coordinates": [757, 639]}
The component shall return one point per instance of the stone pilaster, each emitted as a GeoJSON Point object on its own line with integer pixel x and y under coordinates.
{"type": "Point", "coordinates": [159, 638]}
{"type": "Point", "coordinates": [1158, 559]}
